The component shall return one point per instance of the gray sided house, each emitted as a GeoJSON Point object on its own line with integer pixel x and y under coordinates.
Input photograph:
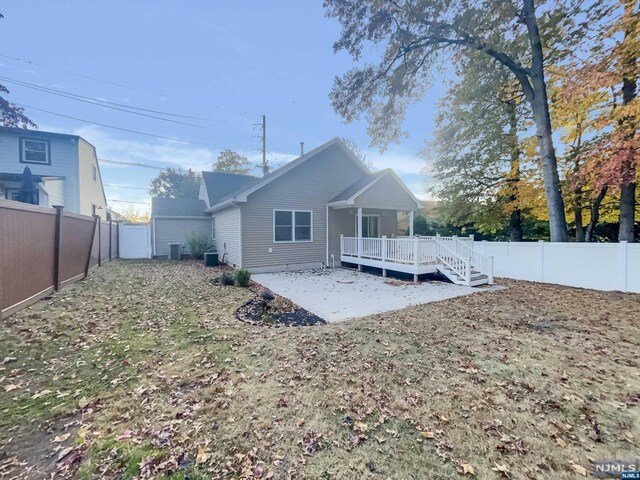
{"type": "Point", "coordinates": [294, 217]}
{"type": "Point", "coordinates": [173, 219]}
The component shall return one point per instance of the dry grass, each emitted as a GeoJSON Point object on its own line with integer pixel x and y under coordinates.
{"type": "Point", "coordinates": [146, 368]}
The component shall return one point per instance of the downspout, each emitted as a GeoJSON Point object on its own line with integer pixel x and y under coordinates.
{"type": "Point", "coordinates": [326, 231]}
{"type": "Point", "coordinates": [241, 235]}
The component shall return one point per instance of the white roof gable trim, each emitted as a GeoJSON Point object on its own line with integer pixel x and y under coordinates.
{"type": "Point", "coordinates": [242, 196]}
{"type": "Point", "coordinates": [352, 199]}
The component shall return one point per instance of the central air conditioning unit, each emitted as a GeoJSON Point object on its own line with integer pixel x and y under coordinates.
{"type": "Point", "coordinates": [175, 251]}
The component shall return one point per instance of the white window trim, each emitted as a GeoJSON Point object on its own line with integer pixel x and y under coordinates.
{"type": "Point", "coordinates": [369, 215]}
{"type": "Point", "coordinates": [293, 225]}
{"type": "Point", "coordinates": [23, 149]}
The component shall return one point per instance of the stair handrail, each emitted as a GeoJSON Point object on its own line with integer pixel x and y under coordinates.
{"type": "Point", "coordinates": [463, 273]}
{"type": "Point", "coordinates": [478, 260]}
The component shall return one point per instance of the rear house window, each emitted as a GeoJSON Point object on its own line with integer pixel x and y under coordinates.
{"type": "Point", "coordinates": [34, 151]}
{"type": "Point", "coordinates": [292, 226]}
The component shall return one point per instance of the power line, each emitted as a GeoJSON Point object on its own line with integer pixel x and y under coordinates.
{"type": "Point", "coordinates": [104, 103]}
{"type": "Point", "coordinates": [132, 164]}
{"type": "Point", "coordinates": [82, 75]}
{"type": "Point", "coordinates": [127, 201]}
{"type": "Point", "coordinates": [123, 186]}
{"type": "Point", "coordinates": [118, 128]}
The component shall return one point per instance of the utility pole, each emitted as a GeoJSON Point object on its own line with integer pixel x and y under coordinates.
{"type": "Point", "coordinates": [263, 137]}
{"type": "Point", "coordinates": [265, 167]}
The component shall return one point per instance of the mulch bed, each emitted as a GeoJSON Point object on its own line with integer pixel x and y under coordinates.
{"type": "Point", "coordinates": [277, 312]}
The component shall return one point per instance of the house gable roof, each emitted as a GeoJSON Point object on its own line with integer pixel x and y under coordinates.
{"type": "Point", "coordinates": [349, 195]}
{"type": "Point", "coordinates": [177, 207]}
{"type": "Point", "coordinates": [242, 194]}
{"type": "Point", "coordinates": [218, 185]}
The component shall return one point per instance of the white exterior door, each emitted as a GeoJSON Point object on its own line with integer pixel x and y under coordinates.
{"type": "Point", "coordinates": [135, 241]}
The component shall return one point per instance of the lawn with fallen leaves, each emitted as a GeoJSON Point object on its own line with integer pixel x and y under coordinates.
{"type": "Point", "coordinates": [143, 371]}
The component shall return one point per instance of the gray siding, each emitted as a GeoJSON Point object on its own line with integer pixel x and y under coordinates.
{"type": "Point", "coordinates": [227, 224]}
{"type": "Point", "coordinates": [343, 221]}
{"type": "Point", "coordinates": [386, 193]}
{"type": "Point", "coordinates": [307, 187]}
{"type": "Point", "coordinates": [175, 230]}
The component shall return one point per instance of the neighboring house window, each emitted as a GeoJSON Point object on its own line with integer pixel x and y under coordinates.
{"type": "Point", "coordinates": [14, 194]}
{"type": "Point", "coordinates": [292, 226]}
{"type": "Point", "coordinates": [35, 151]}
{"type": "Point", "coordinates": [95, 174]}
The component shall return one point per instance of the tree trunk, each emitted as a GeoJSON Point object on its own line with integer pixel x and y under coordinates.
{"type": "Point", "coordinates": [542, 118]}
{"type": "Point", "coordinates": [577, 211]}
{"type": "Point", "coordinates": [515, 219]}
{"type": "Point", "coordinates": [595, 214]}
{"type": "Point", "coordinates": [628, 185]}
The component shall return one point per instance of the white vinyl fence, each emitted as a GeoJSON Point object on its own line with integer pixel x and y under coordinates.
{"type": "Point", "coordinates": [135, 241]}
{"type": "Point", "coordinates": [601, 266]}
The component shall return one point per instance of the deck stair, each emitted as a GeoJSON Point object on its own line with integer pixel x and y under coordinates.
{"type": "Point", "coordinates": [461, 264]}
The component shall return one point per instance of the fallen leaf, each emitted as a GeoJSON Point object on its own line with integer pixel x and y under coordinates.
{"type": "Point", "coordinates": [41, 393]}
{"type": "Point", "coordinates": [361, 426]}
{"type": "Point", "coordinates": [501, 469]}
{"type": "Point", "coordinates": [61, 438]}
{"type": "Point", "coordinates": [64, 452]}
{"type": "Point", "coordinates": [381, 439]}
{"type": "Point", "coordinates": [10, 387]}
{"type": "Point", "coordinates": [300, 422]}
{"type": "Point", "coordinates": [579, 469]}
{"type": "Point", "coordinates": [83, 402]}
{"type": "Point", "coordinates": [468, 468]}
{"type": "Point", "coordinates": [428, 434]}
{"type": "Point", "coordinates": [203, 455]}
{"type": "Point", "coordinates": [561, 442]}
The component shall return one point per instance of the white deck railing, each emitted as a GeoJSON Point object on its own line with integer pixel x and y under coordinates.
{"type": "Point", "coordinates": [394, 250]}
{"type": "Point", "coordinates": [457, 253]}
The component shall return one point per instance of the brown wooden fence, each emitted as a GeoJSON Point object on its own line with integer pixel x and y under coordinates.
{"type": "Point", "coordinates": [44, 249]}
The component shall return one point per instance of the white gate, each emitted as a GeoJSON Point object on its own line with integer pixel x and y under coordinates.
{"type": "Point", "coordinates": [135, 241]}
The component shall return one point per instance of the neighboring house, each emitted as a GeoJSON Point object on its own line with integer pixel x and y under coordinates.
{"type": "Point", "coordinates": [65, 168]}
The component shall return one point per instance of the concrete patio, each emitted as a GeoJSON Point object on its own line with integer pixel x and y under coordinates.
{"type": "Point", "coordinates": [341, 294]}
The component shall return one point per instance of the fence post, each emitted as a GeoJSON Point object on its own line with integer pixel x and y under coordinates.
{"type": "Point", "coordinates": [110, 238]}
{"type": "Point", "coordinates": [96, 222]}
{"type": "Point", "coordinates": [467, 266]}
{"type": "Point", "coordinates": [99, 241]}
{"type": "Point", "coordinates": [541, 255]}
{"type": "Point", "coordinates": [491, 270]}
{"type": "Point", "coordinates": [624, 265]}
{"type": "Point", "coordinates": [56, 248]}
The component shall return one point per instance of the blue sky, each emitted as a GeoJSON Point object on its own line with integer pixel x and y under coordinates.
{"type": "Point", "coordinates": [229, 62]}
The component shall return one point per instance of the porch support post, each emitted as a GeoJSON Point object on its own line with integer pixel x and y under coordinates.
{"type": "Point", "coordinates": [384, 254]}
{"type": "Point", "coordinates": [359, 236]}
{"type": "Point", "coordinates": [411, 223]}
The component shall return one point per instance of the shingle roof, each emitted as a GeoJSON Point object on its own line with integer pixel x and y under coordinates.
{"type": "Point", "coordinates": [177, 207]}
{"type": "Point", "coordinates": [351, 190]}
{"type": "Point", "coordinates": [220, 184]}
{"type": "Point", "coordinates": [260, 182]}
